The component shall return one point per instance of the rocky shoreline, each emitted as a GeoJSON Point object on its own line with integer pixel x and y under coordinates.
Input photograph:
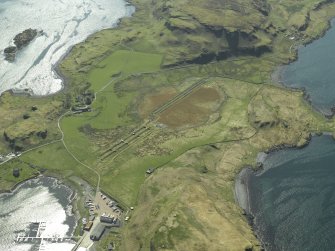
{"type": "Point", "coordinates": [277, 75]}
{"type": "Point", "coordinates": [241, 186]}
{"type": "Point", "coordinates": [75, 185]}
{"type": "Point", "coordinates": [20, 41]}
{"type": "Point", "coordinates": [276, 78]}
{"type": "Point", "coordinates": [65, 194]}
{"type": "Point", "coordinates": [242, 183]}
{"type": "Point", "coordinates": [241, 189]}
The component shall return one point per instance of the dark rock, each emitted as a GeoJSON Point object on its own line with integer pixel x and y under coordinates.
{"type": "Point", "coordinates": [204, 169]}
{"type": "Point", "coordinates": [285, 124]}
{"type": "Point", "coordinates": [26, 116]}
{"type": "Point", "coordinates": [262, 6]}
{"type": "Point", "coordinates": [259, 165]}
{"type": "Point", "coordinates": [24, 38]}
{"type": "Point", "coordinates": [214, 146]}
{"type": "Point", "coordinates": [42, 134]}
{"type": "Point", "coordinates": [5, 135]}
{"type": "Point", "coordinates": [319, 5]}
{"type": "Point", "coordinates": [10, 49]}
{"type": "Point", "coordinates": [21, 40]}
{"type": "Point", "coordinates": [88, 101]}
{"type": "Point", "coordinates": [16, 172]}
{"type": "Point", "coordinates": [10, 53]}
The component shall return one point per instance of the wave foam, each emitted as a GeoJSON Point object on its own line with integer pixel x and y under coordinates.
{"type": "Point", "coordinates": [65, 23]}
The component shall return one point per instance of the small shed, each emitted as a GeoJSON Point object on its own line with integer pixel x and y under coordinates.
{"type": "Point", "coordinates": [88, 226]}
{"type": "Point", "coordinates": [150, 170]}
{"type": "Point", "coordinates": [80, 109]}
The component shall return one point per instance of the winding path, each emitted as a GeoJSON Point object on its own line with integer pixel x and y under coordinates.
{"type": "Point", "coordinates": [72, 155]}
{"type": "Point", "coordinates": [66, 147]}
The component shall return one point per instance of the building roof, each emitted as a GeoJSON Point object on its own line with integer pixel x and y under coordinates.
{"type": "Point", "coordinates": [26, 91]}
{"type": "Point", "coordinates": [88, 225]}
{"type": "Point", "coordinates": [97, 232]}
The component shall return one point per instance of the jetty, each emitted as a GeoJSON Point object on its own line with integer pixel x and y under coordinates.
{"type": "Point", "coordinates": [35, 236]}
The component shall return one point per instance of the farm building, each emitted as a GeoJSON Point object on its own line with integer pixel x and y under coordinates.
{"type": "Point", "coordinates": [111, 220]}
{"type": "Point", "coordinates": [80, 109]}
{"type": "Point", "coordinates": [22, 92]}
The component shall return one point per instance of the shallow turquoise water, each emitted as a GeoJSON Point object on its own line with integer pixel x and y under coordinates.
{"type": "Point", "coordinates": [315, 71]}
{"type": "Point", "coordinates": [293, 200]}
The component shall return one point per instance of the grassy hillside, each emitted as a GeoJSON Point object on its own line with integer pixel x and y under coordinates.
{"type": "Point", "coordinates": [184, 87]}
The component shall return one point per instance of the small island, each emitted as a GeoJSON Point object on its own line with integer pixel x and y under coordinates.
{"type": "Point", "coordinates": [21, 40]}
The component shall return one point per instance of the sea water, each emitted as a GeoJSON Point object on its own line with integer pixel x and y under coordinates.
{"type": "Point", "coordinates": [37, 200]}
{"type": "Point", "coordinates": [314, 71]}
{"type": "Point", "coordinates": [64, 24]}
{"type": "Point", "coordinates": [293, 198]}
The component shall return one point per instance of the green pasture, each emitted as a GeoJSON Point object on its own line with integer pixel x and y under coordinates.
{"type": "Point", "coordinates": [124, 62]}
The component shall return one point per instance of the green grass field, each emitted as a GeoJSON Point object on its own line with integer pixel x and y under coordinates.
{"type": "Point", "coordinates": [108, 108]}
{"type": "Point", "coordinates": [6, 174]}
{"type": "Point", "coordinates": [197, 165]}
{"type": "Point", "coordinates": [125, 62]}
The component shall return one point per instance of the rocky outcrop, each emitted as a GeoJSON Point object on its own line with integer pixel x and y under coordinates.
{"type": "Point", "coordinates": [10, 53]}
{"type": "Point", "coordinates": [21, 40]}
{"type": "Point", "coordinates": [12, 142]}
{"type": "Point", "coordinates": [262, 6]}
{"type": "Point", "coordinates": [319, 5]}
{"type": "Point", "coordinates": [22, 141]}
{"type": "Point", "coordinates": [207, 30]}
{"type": "Point", "coordinates": [24, 38]}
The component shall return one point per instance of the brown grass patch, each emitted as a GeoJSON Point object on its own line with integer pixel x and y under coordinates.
{"type": "Point", "coordinates": [155, 100]}
{"type": "Point", "coordinates": [192, 110]}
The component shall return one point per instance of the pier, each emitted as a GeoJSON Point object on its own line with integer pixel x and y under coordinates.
{"type": "Point", "coordinates": [30, 239]}
{"type": "Point", "coordinates": [39, 228]}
